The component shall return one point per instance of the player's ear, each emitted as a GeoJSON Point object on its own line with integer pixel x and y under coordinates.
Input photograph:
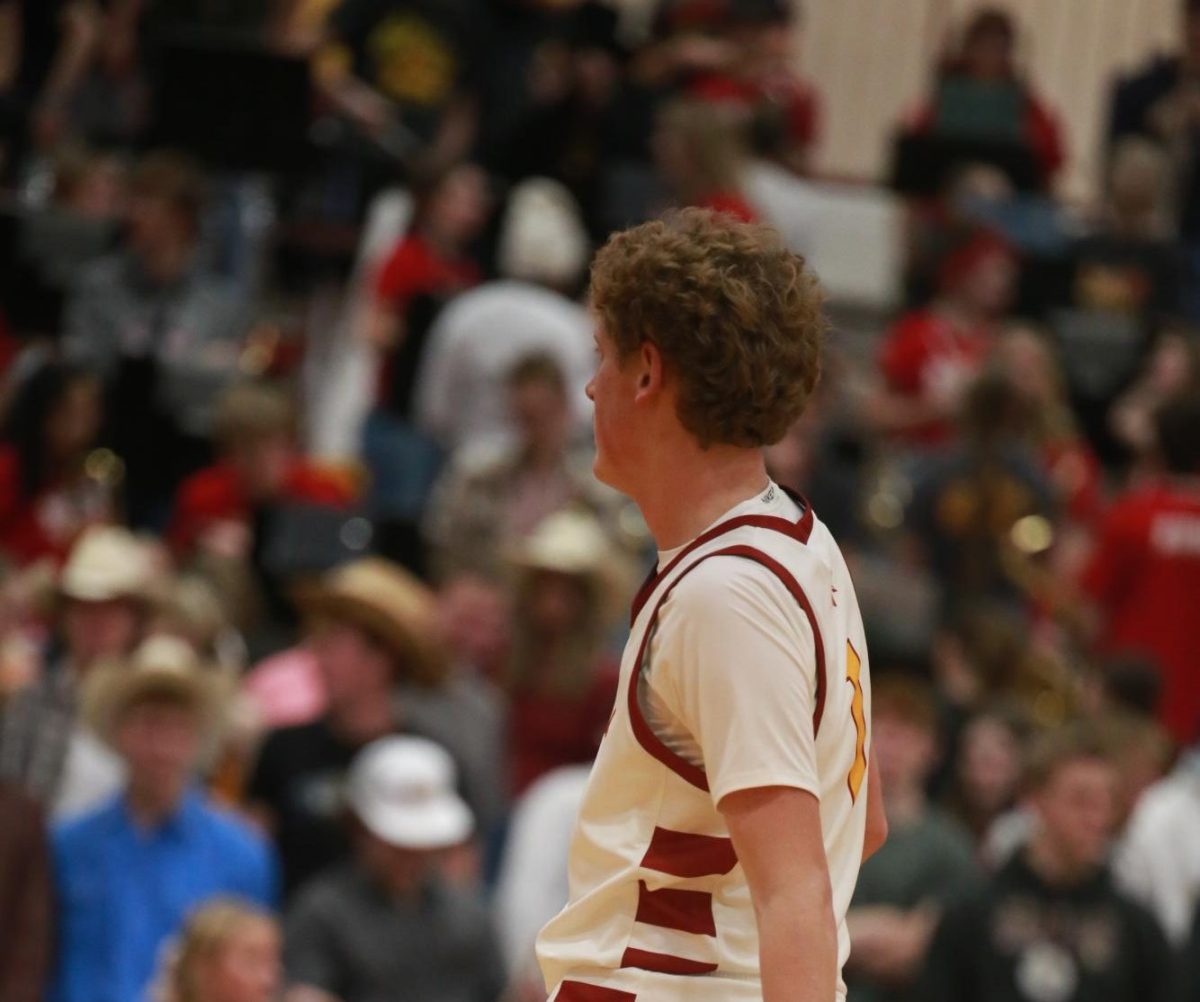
{"type": "Point", "coordinates": [650, 366]}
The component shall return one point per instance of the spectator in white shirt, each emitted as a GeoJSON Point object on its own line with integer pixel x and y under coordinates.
{"type": "Point", "coordinates": [462, 397]}
{"type": "Point", "coordinates": [1158, 861]}
{"type": "Point", "coordinates": [532, 885]}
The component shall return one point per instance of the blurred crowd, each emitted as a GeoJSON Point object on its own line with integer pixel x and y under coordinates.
{"type": "Point", "coordinates": [310, 604]}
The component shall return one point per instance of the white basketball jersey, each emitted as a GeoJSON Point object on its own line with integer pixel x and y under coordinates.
{"type": "Point", "coordinates": [659, 907]}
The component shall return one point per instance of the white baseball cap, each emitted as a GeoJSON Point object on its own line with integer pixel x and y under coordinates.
{"type": "Point", "coordinates": [403, 791]}
{"type": "Point", "coordinates": [543, 238]}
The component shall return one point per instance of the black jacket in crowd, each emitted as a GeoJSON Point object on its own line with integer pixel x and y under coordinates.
{"type": "Point", "coordinates": [1023, 940]}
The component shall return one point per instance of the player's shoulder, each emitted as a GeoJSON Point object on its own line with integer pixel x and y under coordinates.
{"type": "Point", "coordinates": [721, 585]}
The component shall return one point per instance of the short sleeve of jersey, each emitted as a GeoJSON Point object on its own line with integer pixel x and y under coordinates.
{"type": "Point", "coordinates": [733, 661]}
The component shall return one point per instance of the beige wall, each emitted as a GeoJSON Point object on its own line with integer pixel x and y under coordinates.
{"type": "Point", "coordinates": [871, 60]}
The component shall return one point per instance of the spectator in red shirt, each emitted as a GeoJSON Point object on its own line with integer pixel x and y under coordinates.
{"type": "Point", "coordinates": [980, 94]}
{"type": "Point", "coordinates": [931, 354]}
{"type": "Point", "coordinates": [260, 466]}
{"type": "Point", "coordinates": [562, 683]}
{"type": "Point", "coordinates": [1144, 577]}
{"type": "Point", "coordinates": [698, 150]}
{"type": "Point", "coordinates": [49, 492]}
{"type": "Point", "coordinates": [427, 267]}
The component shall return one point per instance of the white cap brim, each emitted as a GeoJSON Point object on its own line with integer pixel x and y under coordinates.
{"type": "Point", "coordinates": [442, 823]}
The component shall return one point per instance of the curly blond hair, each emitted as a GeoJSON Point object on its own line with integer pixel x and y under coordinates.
{"type": "Point", "coordinates": [736, 315]}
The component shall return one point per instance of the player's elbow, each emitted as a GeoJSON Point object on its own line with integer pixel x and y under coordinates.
{"type": "Point", "coordinates": [877, 827]}
{"type": "Point", "coordinates": [803, 897]}
{"type": "Point", "coordinates": [876, 833]}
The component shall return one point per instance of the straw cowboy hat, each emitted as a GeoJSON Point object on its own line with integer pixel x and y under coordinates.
{"type": "Point", "coordinates": [106, 563]}
{"type": "Point", "coordinates": [390, 604]}
{"type": "Point", "coordinates": [161, 667]}
{"type": "Point", "coordinates": [573, 542]}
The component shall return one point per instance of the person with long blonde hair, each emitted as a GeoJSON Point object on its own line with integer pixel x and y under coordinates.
{"type": "Point", "coordinates": [229, 951]}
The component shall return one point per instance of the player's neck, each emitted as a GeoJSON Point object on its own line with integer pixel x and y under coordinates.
{"type": "Point", "coordinates": [695, 488]}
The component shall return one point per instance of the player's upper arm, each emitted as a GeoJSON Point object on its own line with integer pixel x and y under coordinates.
{"type": "Point", "coordinates": [735, 661]}
{"type": "Point", "coordinates": [776, 834]}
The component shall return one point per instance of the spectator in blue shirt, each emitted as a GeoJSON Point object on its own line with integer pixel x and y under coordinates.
{"type": "Point", "coordinates": [128, 874]}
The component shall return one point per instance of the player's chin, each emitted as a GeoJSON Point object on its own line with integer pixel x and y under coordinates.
{"type": "Point", "coordinates": [602, 469]}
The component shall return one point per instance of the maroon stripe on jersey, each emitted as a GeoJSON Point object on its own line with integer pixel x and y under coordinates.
{"type": "Point", "coordinates": [664, 963]}
{"type": "Point", "coordinates": [671, 908]}
{"type": "Point", "coordinates": [684, 854]}
{"type": "Point", "coordinates": [643, 593]}
{"type": "Point", "coordinates": [800, 530]}
{"type": "Point", "coordinates": [641, 729]}
{"type": "Point", "coordinates": [650, 742]}
{"type": "Point", "coordinates": [577, 991]}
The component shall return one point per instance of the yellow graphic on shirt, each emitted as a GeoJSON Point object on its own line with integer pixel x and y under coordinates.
{"type": "Point", "coordinates": [413, 63]}
{"type": "Point", "coordinates": [858, 771]}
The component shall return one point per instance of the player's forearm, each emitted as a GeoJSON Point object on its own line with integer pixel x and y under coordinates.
{"type": "Point", "coordinates": [798, 946]}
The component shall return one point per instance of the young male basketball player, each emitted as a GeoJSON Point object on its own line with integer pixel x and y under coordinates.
{"type": "Point", "coordinates": [732, 801]}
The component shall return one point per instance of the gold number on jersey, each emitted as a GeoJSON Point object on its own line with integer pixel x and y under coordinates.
{"type": "Point", "coordinates": [858, 771]}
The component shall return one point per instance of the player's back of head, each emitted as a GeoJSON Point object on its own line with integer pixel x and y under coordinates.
{"type": "Point", "coordinates": [735, 314]}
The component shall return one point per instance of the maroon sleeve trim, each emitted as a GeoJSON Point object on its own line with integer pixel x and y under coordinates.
{"type": "Point", "coordinates": [799, 530]}
{"type": "Point", "coordinates": [642, 730]}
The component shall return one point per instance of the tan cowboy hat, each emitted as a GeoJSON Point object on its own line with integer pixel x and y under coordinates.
{"type": "Point", "coordinates": [161, 666]}
{"type": "Point", "coordinates": [573, 542]}
{"type": "Point", "coordinates": [391, 605]}
{"type": "Point", "coordinates": [107, 562]}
